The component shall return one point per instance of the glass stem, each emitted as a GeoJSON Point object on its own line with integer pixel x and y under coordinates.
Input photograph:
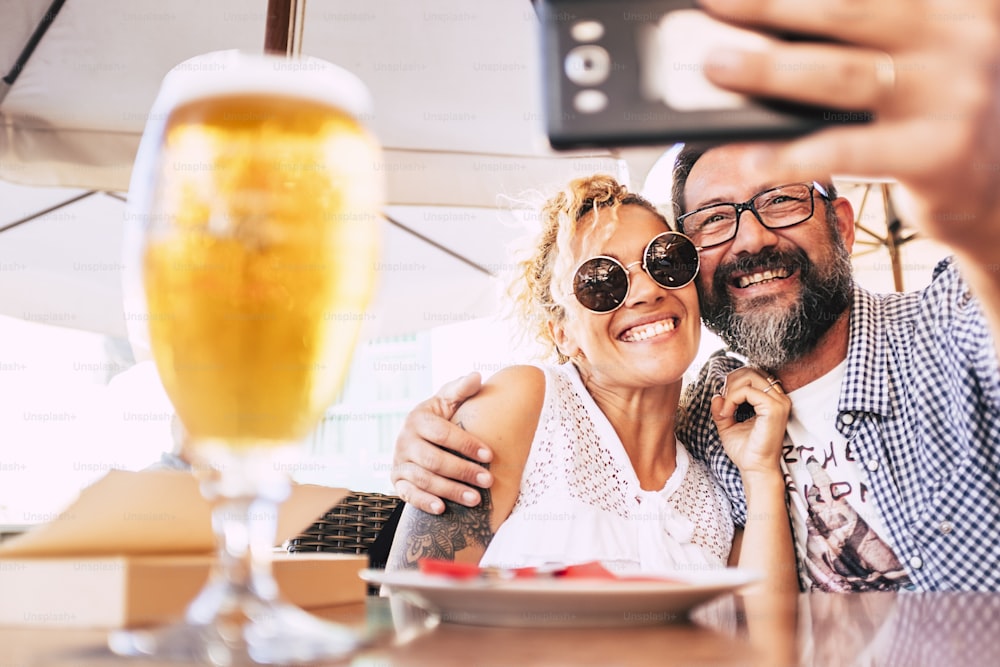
{"type": "Point", "coordinates": [245, 529]}
{"type": "Point", "coordinates": [245, 492]}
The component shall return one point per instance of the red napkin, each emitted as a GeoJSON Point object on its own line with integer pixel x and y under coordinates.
{"type": "Point", "coordinates": [590, 570]}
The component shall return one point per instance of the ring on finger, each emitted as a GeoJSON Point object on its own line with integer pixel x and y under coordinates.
{"type": "Point", "coordinates": [885, 73]}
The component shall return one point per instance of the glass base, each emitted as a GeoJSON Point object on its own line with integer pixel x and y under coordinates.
{"type": "Point", "coordinates": [238, 618]}
{"type": "Point", "coordinates": [274, 633]}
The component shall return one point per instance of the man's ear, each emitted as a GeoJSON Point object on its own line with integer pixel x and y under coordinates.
{"type": "Point", "coordinates": [563, 340]}
{"type": "Point", "coordinates": [844, 211]}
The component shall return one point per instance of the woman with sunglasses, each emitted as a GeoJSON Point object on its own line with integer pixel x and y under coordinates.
{"type": "Point", "coordinates": [586, 465]}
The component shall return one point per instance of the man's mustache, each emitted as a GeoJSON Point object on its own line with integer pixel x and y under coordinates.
{"type": "Point", "coordinates": [794, 260]}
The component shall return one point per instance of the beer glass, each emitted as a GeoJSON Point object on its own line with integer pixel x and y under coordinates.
{"type": "Point", "coordinates": [257, 187]}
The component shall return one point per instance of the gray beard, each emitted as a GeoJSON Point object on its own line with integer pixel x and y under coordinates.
{"type": "Point", "coordinates": [771, 338]}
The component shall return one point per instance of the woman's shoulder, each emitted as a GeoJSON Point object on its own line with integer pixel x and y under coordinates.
{"type": "Point", "coordinates": [508, 406]}
{"type": "Point", "coordinates": [520, 375]}
{"type": "Point", "coordinates": [517, 385]}
{"type": "Point", "coordinates": [524, 384]}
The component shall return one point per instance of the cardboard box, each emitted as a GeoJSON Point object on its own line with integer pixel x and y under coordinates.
{"type": "Point", "coordinates": [136, 547]}
{"type": "Point", "coordinates": [130, 591]}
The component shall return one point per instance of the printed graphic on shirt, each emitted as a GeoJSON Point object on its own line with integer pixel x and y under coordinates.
{"type": "Point", "coordinates": [844, 553]}
{"type": "Point", "coordinates": [840, 548]}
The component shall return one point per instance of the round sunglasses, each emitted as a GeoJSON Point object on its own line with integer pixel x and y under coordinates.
{"type": "Point", "coordinates": [601, 283]}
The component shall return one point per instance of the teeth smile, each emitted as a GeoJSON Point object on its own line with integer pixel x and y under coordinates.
{"type": "Point", "coordinates": [763, 277]}
{"type": "Point", "coordinates": [640, 333]}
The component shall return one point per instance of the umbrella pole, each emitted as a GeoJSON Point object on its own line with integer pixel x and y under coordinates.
{"type": "Point", "coordinates": [893, 238]}
{"type": "Point", "coordinates": [283, 32]}
{"type": "Point", "coordinates": [29, 48]}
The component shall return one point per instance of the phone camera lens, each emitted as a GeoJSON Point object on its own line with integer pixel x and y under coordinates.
{"type": "Point", "coordinates": [590, 101]}
{"type": "Point", "coordinates": [587, 65]}
{"type": "Point", "coordinates": [587, 31]}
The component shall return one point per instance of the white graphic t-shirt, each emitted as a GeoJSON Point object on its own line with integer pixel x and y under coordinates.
{"type": "Point", "coordinates": [840, 534]}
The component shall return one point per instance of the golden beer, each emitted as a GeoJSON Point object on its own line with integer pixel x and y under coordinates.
{"type": "Point", "coordinates": [259, 262]}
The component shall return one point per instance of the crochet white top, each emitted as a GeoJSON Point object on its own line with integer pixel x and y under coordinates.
{"type": "Point", "coordinates": [580, 498]}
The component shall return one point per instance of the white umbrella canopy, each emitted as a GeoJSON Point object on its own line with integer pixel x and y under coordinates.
{"type": "Point", "coordinates": [68, 268]}
{"type": "Point", "coordinates": [456, 88]}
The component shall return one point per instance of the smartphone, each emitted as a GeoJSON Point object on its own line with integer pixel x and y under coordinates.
{"type": "Point", "coordinates": [627, 72]}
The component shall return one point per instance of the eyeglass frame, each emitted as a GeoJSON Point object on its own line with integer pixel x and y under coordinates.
{"type": "Point", "coordinates": [627, 268]}
{"type": "Point", "coordinates": [749, 205]}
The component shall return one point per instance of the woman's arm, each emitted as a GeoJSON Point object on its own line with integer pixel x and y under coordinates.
{"type": "Point", "coordinates": [754, 445]}
{"type": "Point", "coordinates": [765, 543]}
{"type": "Point", "coordinates": [504, 415]}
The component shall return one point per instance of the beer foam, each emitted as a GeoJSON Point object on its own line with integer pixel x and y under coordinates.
{"type": "Point", "coordinates": [231, 72]}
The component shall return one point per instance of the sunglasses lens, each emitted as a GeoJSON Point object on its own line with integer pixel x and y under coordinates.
{"type": "Point", "coordinates": [600, 284]}
{"type": "Point", "coordinates": [672, 260]}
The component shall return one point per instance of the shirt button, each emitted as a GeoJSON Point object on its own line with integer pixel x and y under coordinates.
{"type": "Point", "coordinates": [916, 562]}
{"type": "Point", "coordinates": [946, 527]}
{"type": "Point", "coordinates": [847, 418]}
{"type": "Point", "coordinates": [872, 464]}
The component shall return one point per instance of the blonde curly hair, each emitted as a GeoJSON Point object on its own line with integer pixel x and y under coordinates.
{"type": "Point", "coordinates": [539, 295]}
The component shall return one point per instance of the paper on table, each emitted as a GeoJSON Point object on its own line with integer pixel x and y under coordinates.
{"type": "Point", "coordinates": [152, 512]}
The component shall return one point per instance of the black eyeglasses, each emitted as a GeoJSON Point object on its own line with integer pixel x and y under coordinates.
{"type": "Point", "coordinates": [777, 208]}
{"type": "Point", "coordinates": [601, 283]}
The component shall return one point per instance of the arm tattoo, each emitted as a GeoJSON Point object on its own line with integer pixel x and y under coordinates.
{"type": "Point", "coordinates": [421, 535]}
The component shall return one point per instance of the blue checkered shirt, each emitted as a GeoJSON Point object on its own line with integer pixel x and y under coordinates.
{"type": "Point", "coordinates": [920, 405]}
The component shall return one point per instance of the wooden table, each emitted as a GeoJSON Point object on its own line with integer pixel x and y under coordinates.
{"type": "Point", "coordinates": [822, 630]}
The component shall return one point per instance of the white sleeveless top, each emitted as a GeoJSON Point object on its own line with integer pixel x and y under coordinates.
{"type": "Point", "coordinates": [580, 498]}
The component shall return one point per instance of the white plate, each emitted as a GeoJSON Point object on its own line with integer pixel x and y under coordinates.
{"type": "Point", "coordinates": [559, 602]}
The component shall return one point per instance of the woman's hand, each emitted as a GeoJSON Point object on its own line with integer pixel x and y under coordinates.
{"type": "Point", "coordinates": [754, 445]}
{"type": "Point", "coordinates": [423, 469]}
